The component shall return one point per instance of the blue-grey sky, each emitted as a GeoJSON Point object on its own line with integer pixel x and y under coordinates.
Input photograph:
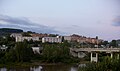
{"type": "Point", "coordinates": [84, 17]}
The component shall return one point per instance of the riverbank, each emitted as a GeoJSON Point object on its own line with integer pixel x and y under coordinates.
{"type": "Point", "coordinates": [63, 67]}
{"type": "Point", "coordinates": [30, 64]}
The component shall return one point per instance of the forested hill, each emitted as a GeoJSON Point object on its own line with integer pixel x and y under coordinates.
{"type": "Point", "coordinates": [4, 31]}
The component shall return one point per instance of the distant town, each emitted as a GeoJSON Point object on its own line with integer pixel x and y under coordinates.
{"type": "Point", "coordinates": [20, 36]}
{"type": "Point", "coordinates": [78, 40]}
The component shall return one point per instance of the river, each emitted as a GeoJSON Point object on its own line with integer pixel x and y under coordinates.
{"type": "Point", "coordinates": [44, 68]}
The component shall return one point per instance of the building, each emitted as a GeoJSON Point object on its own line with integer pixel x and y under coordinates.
{"type": "Point", "coordinates": [21, 39]}
{"type": "Point", "coordinates": [57, 39]}
{"type": "Point", "coordinates": [67, 38]}
{"type": "Point", "coordinates": [82, 39]}
{"type": "Point", "coordinates": [15, 35]}
{"type": "Point", "coordinates": [75, 37]}
{"type": "Point", "coordinates": [37, 50]}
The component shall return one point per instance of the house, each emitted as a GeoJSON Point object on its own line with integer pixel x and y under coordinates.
{"type": "Point", "coordinates": [57, 39]}
{"type": "Point", "coordinates": [75, 37]}
{"type": "Point", "coordinates": [81, 40]}
{"type": "Point", "coordinates": [15, 35]}
{"type": "Point", "coordinates": [68, 38]}
{"type": "Point", "coordinates": [37, 50]}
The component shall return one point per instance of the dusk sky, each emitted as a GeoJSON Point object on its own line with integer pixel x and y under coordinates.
{"type": "Point", "coordinates": [90, 18]}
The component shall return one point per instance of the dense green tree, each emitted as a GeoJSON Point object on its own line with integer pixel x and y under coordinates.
{"type": "Point", "coordinates": [23, 52]}
{"type": "Point", "coordinates": [10, 56]}
{"type": "Point", "coordinates": [7, 40]}
{"type": "Point", "coordinates": [20, 53]}
{"type": "Point", "coordinates": [107, 64]}
{"type": "Point", "coordinates": [53, 35]}
{"type": "Point", "coordinates": [26, 34]}
{"type": "Point", "coordinates": [105, 43]}
{"type": "Point", "coordinates": [113, 43]}
{"type": "Point", "coordinates": [56, 53]}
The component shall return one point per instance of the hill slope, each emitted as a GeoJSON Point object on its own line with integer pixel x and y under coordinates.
{"type": "Point", "coordinates": [4, 31]}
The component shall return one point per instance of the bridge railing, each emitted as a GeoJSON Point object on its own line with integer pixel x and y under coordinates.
{"type": "Point", "coordinates": [95, 49]}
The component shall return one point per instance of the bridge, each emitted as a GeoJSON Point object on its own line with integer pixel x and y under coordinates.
{"type": "Point", "coordinates": [76, 52]}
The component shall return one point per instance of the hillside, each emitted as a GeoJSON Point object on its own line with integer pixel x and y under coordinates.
{"type": "Point", "coordinates": [4, 31]}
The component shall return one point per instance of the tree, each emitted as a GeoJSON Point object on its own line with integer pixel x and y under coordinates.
{"type": "Point", "coordinates": [26, 34]}
{"type": "Point", "coordinates": [23, 52]}
{"type": "Point", "coordinates": [105, 43]}
{"type": "Point", "coordinates": [56, 53]}
{"type": "Point", "coordinates": [96, 37]}
{"type": "Point", "coordinates": [113, 43]}
{"type": "Point", "coordinates": [10, 56]}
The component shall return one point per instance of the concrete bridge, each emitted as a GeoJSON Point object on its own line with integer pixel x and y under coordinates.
{"type": "Point", "coordinates": [76, 52]}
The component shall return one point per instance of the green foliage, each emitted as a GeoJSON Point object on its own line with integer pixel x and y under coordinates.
{"type": "Point", "coordinates": [20, 53]}
{"type": "Point", "coordinates": [107, 64]}
{"type": "Point", "coordinates": [55, 53]}
{"type": "Point", "coordinates": [113, 43]}
{"type": "Point", "coordinates": [8, 41]}
{"type": "Point", "coordinates": [105, 43]}
{"type": "Point", "coordinates": [10, 56]}
{"type": "Point", "coordinates": [53, 35]}
{"type": "Point", "coordinates": [6, 31]}
{"type": "Point", "coordinates": [26, 34]}
{"type": "Point", "coordinates": [23, 52]}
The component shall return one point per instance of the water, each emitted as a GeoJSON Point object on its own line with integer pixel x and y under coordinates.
{"type": "Point", "coordinates": [44, 68]}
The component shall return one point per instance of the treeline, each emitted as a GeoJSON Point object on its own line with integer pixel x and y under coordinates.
{"type": "Point", "coordinates": [20, 53]}
{"type": "Point", "coordinates": [54, 53]}
{"type": "Point", "coordinates": [8, 41]}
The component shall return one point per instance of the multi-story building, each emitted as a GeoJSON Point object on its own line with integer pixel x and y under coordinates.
{"type": "Point", "coordinates": [35, 37]}
{"type": "Point", "coordinates": [75, 37]}
{"type": "Point", "coordinates": [57, 39]}
{"type": "Point", "coordinates": [68, 38]}
{"type": "Point", "coordinates": [21, 39]}
{"type": "Point", "coordinates": [82, 39]}
{"type": "Point", "coordinates": [15, 35]}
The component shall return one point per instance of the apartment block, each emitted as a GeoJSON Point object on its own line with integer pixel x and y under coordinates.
{"type": "Point", "coordinates": [57, 39]}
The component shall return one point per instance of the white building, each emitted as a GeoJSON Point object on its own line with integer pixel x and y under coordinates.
{"type": "Point", "coordinates": [68, 38]}
{"type": "Point", "coordinates": [21, 39]}
{"type": "Point", "coordinates": [15, 35]}
{"type": "Point", "coordinates": [52, 39]}
{"type": "Point", "coordinates": [37, 49]}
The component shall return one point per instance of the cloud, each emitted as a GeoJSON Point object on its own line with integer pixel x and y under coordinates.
{"type": "Point", "coordinates": [116, 21]}
{"type": "Point", "coordinates": [25, 24]}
